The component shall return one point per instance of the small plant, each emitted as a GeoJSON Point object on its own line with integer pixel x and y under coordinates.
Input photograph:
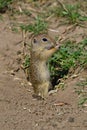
{"type": "Point", "coordinates": [26, 62]}
{"type": "Point", "coordinates": [82, 100]}
{"type": "Point", "coordinates": [26, 65]}
{"type": "Point", "coordinates": [69, 55]}
{"type": "Point", "coordinates": [71, 12]}
{"type": "Point", "coordinates": [26, 12]}
{"type": "Point", "coordinates": [4, 4]}
{"type": "Point", "coordinates": [82, 91]}
{"type": "Point", "coordinates": [39, 26]}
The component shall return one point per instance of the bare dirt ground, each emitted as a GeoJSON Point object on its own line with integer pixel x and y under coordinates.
{"type": "Point", "coordinates": [19, 110]}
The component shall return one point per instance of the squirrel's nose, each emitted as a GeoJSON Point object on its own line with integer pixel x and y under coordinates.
{"type": "Point", "coordinates": [49, 47]}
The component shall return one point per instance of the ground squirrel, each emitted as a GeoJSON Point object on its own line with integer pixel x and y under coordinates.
{"type": "Point", "coordinates": [42, 47]}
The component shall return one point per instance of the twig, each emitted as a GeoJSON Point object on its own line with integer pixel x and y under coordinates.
{"type": "Point", "coordinates": [62, 5]}
{"type": "Point", "coordinates": [52, 30]}
{"type": "Point", "coordinates": [24, 41]}
{"type": "Point", "coordinates": [50, 17]}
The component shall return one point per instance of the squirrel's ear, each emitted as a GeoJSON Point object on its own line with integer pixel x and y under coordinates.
{"type": "Point", "coordinates": [34, 40]}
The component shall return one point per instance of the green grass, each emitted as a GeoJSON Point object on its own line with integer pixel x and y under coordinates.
{"type": "Point", "coordinates": [71, 13]}
{"type": "Point", "coordinates": [81, 90]}
{"type": "Point", "coordinates": [39, 26]}
{"type": "Point", "coordinates": [82, 100]}
{"type": "Point", "coordinates": [69, 55]}
{"type": "Point", "coordinates": [26, 62]}
{"type": "Point", "coordinates": [4, 3]}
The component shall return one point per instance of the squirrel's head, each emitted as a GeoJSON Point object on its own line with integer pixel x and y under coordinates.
{"type": "Point", "coordinates": [42, 42]}
{"type": "Point", "coordinates": [43, 45]}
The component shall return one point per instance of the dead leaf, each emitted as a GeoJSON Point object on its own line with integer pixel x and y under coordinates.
{"type": "Point", "coordinates": [60, 104]}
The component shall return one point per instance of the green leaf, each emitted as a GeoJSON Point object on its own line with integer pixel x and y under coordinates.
{"type": "Point", "coordinates": [83, 18]}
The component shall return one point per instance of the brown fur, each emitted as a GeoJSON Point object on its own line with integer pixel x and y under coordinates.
{"type": "Point", "coordinates": [42, 47]}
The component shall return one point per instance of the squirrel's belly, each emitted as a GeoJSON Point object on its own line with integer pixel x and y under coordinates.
{"type": "Point", "coordinates": [39, 74]}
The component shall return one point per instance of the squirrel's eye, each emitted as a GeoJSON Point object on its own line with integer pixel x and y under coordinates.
{"type": "Point", "coordinates": [45, 39]}
{"type": "Point", "coordinates": [35, 41]}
